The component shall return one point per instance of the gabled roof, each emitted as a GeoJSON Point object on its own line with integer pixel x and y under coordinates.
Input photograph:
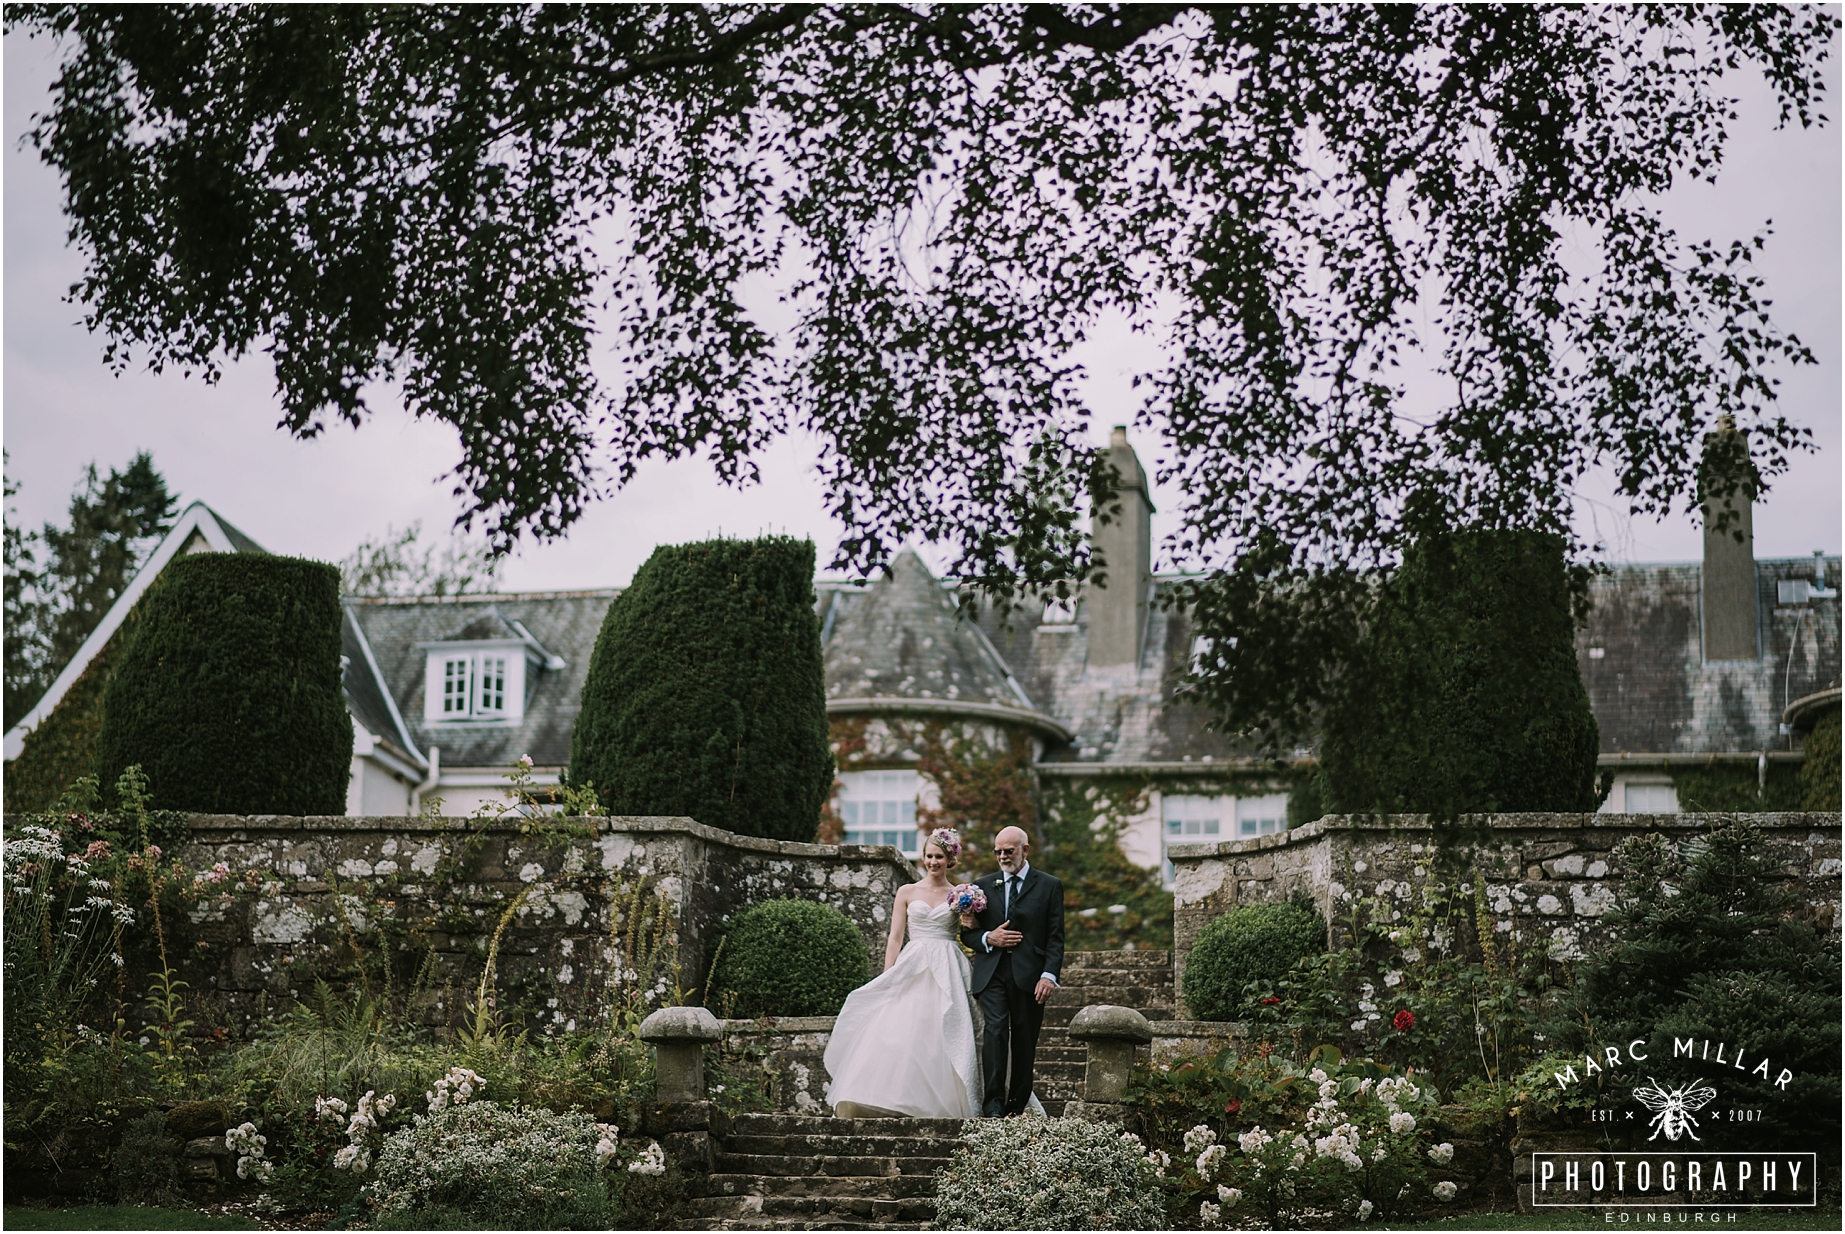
{"type": "Point", "coordinates": [902, 647]}
{"type": "Point", "coordinates": [200, 528]}
{"type": "Point", "coordinates": [559, 628]}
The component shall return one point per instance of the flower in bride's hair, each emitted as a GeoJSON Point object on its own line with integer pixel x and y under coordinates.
{"type": "Point", "coordinates": [950, 841]}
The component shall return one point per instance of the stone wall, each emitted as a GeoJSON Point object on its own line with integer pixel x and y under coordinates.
{"type": "Point", "coordinates": [1549, 877]}
{"type": "Point", "coordinates": [302, 893]}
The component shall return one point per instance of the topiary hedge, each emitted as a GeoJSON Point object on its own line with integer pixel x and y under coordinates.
{"type": "Point", "coordinates": [705, 693]}
{"type": "Point", "coordinates": [62, 749]}
{"type": "Point", "coordinates": [788, 957]}
{"type": "Point", "coordinates": [1465, 696]}
{"type": "Point", "coordinates": [228, 689]}
{"type": "Point", "coordinates": [1257, 942]}
{"type": "Point", "coordinates": [1819, 775]}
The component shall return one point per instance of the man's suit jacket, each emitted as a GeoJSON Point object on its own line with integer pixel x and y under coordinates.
{"type": "Point", "coordinates": [1037, 913]}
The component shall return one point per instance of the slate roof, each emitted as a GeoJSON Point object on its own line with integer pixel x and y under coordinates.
{"type": "Point", "coordinates": [563, 623]}
{"type": "Point", "coordinates": [1651, 688]}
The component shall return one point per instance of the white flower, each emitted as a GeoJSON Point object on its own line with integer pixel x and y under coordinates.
{"type": "Point", "coordinates": [1199, 1138]}
{"type": "Point", "coordinates": [1329, 1090]}
{"type": "Point", "coordinates": [1393, 978]}
{"type": "Point", "coordinates": [651, 1161]}
{"type": "Point", "coordinates": [1364, 1210]}
{"type": "Point", "coordinates": [1229, 1195]}
{"type": "Point", "coordinates": [1209, 1160]}
{"type": "Point", "coordinates": [1208, 1213]}
{"type": "Point", "coordinates": [354, 1157]}
{"type": "Point", "coordinates": [1402, 1124]}
{"type": "Point", "coordinates": [1253, 1139]}
{"type": "Point", "coordinates": [1442, 1153]}
{"type": "Point", "coordinates": [1379, 1153]}
{"type": "Point", "coordinates": [605, 1147]}
{"type": "Point", "coordinates": [1358, 1026]}
{"type": "Point", "coordinates": [330, 1109]}
{"type": "Point", "coordinates": [1444, 1191]}
{"type": "Point", "coordinates": [253, 1167]}
{"type": "Point", "coordinates": [1318, 1076]}
{"type": "Point", "coordinates": [1159, 1160]}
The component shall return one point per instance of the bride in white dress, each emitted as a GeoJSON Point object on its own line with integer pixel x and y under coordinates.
{"type": "Point", "coordinates": [904, 1043]}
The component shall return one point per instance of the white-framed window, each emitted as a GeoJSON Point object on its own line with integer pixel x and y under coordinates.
{"type": "Point", "coordinates": [1261, 816]}
{"type": "Point", "coordinates": [474, 684]}
{"type": "Point", "coordinates": [1188, 819]}
{"type": "Point", "coordinates": [1651, 798]}
{"type": "Point", "coordinates": [1059, 613]}
{"type": "Point", "coordinates": [879, 807]}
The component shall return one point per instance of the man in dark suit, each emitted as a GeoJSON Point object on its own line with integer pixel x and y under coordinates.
{"type": "Point", "coordinates": [1018, 961]}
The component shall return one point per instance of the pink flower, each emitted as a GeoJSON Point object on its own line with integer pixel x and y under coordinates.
{"type": "Point", "coordinates": [98, 848]}
{"type": "Point", "coordinates": [153, 852]}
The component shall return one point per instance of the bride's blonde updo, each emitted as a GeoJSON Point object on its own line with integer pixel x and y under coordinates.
{"type": "Point", "coordinates": [945, 839]}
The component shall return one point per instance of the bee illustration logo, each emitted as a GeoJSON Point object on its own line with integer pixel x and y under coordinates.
{"type": "Point", "coordinates": [1673, 1108]}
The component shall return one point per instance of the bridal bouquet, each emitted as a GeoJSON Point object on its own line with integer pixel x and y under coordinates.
{"type": "Point", "coordinates": [967, 898]}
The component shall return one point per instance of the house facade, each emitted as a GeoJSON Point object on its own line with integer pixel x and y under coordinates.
{"type": "Point", "coordinates": [1720, 665]}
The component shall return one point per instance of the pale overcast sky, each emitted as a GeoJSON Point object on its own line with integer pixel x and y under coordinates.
{"type": "Point", "coordinates": [63, 408]}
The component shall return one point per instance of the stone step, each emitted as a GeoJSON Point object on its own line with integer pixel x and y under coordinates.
{"type": "Point", "coordinates": [811, 1124]}
{"type": "Point", "coordinates": [831, 1166]}
{"type": "Point", "coordinates": [902, 1186]}
{"type": "Point", "coordinates": [842, 1145]}
{"type": "Point", "coordinates": [861, 1209]}
{"type": "Point", "coordinates": [1075, 960]}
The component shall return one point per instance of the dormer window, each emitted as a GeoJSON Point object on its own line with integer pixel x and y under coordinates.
{"type": "Point", "coordinates": [485, 673]}
{"type": "Point", "coordinates": [474, 687]}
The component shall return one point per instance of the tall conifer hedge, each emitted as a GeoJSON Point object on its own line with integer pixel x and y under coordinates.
{"type": "Point", "coordinates": [228, 689]}
{"type": "Point", "coordinates": [1466, 696]}
{"type": "Point", "coordinates": [705, 694]}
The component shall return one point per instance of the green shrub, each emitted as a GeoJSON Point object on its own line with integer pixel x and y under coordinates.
{"type": "Point", "coordinates": [1257, 942]}
{"type": "Point", "coordinates": [147, 1161]}
{"type": "Point", "coordinates": [1734, 788]}
{"type": "Point", "coordinates": [789, 957]}
{"type": "Point", "coordinates": [705, 695]}
{"type": "Point", "coordinates": [1465, 696]}
{"type": "Point", "coordinates": [1047, 1174]}
{"type": "Point", "coordinates": [483, 1166]}
{"type": "Point", "coordinates": [1819, 775]}
{"type": "Point", "coordinates": [228, 689]}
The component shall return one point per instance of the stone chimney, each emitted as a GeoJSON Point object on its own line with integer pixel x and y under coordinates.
{"type": "Point", "coordinates": [1726, 490]}
{"type": "Point", "coordinates": [1118, 610]}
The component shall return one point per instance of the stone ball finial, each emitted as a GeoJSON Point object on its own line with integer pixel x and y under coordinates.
{"type": "Point", "coordinates": [1106, 1022]}
{"type": "Point", "coordinates": [682, 1024]}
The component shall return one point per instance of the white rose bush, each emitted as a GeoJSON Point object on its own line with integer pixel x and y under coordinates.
{"type": "Point", "coordinates": [1340, 1137]}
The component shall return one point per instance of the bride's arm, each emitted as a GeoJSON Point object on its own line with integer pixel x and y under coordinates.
{"type": "Point", "coordinates": [899, 920]}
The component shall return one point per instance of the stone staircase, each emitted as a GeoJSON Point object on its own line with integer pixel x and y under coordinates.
{"type": "Point", "coordinates": [1138, 979]}
{"type": "Point", "coordinates": [795, 1172]}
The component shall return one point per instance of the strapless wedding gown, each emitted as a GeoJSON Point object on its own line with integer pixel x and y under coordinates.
{"type": "Point", "coordinates": [904, 1043]}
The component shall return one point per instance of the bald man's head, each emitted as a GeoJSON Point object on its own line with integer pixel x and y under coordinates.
{"type": "Point", "coordinates": [1010, 846]}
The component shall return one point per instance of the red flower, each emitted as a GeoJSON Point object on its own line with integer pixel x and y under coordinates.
{"type": "Point", "coordinates": [1232, 1106]}
{"type": "Point", "coordinates": [1403, 1021]}
{"type": "Point", "coordinates": [1271, 1002]}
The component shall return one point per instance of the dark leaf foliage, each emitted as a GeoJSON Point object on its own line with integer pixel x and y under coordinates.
{"type": "Point", "coordinates": [890, 226]}
{"type": "Point", "coordinates": [705, 694]}
{"type": "Point", "coordinates": [227, 691]}
{"type": "Point", "coordinates": [1462, 694]}
{"type": "Point", "coordinates": [62, 581]}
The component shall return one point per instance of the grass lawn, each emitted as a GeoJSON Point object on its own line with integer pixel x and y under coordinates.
{"type": "Point", "coordinates": [1636, 1219]}
{"type": "Point", "coordinates": [120, 1217]}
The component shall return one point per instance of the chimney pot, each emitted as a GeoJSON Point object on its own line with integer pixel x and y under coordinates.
{"type": "Point", "coordinates": [1728, 584]}
{"type": "Point", "coordinates": [1117, 436]}
{"type": "Point", "coordinates": [1118, 610]}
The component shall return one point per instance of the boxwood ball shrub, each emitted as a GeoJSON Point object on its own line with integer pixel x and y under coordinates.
{"type": "Point", "coordinates": [483, 1166]}
{"type": "Point", "coordinates": [789, 957]}
{"type": "Point", "coordinates": [228, 689]}
{"type": "Point", "coordinates": [1047, 1174]}
{"type": "Point", "coordinates": [705, 695]}
{"type": "Point", "coordinates": [1257, 942]}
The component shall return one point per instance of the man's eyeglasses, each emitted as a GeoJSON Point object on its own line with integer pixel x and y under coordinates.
{"type": "Point", "coordinates": [1004, 852]}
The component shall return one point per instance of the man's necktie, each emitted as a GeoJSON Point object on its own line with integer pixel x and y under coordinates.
{"type": "Point", "coordinates": [1012, 889]}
